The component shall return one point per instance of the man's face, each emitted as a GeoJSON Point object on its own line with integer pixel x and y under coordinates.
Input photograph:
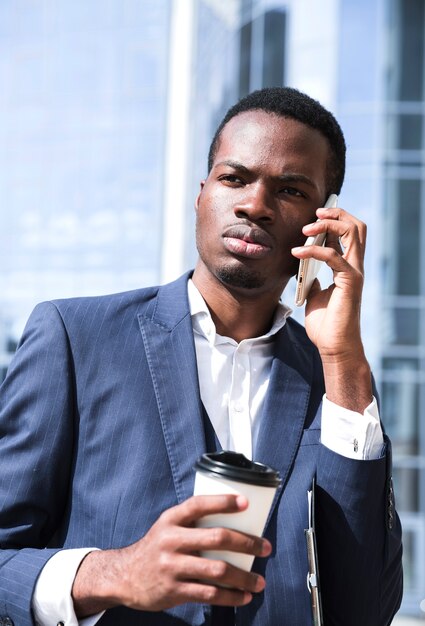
{"type": "Point", "coordinates": [267, 180]}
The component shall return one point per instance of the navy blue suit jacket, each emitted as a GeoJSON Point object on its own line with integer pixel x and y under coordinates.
{"type": "Point", "coordinates": [101, 423]}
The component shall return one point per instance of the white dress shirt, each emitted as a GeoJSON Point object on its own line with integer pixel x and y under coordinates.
{"type": "Point", "coordinates": [241, 371]}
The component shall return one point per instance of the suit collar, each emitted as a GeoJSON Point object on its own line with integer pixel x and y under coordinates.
{"type": "Point", "coordinates": [171, 304]}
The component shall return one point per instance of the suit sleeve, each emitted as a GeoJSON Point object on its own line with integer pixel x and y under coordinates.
{"type": "Point", "coordinates": [359, 540]}
{"type": "Point", "coordinates": [36, 446]}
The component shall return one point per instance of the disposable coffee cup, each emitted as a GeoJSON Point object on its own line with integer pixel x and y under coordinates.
{"type": "Point", "coordinates": [230, 472]}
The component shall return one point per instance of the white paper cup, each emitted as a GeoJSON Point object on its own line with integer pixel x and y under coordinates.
{"type": "Point", "coordinates": [229, 472]}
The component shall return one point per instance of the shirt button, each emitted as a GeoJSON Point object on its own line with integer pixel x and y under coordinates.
{"type": "Point", "coordinates": [238, 408]}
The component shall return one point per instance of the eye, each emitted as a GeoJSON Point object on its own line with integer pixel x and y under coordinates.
{"type": "Point", "coordinates": [291, 191]}
{"type": "Point", "coordinates": [231, 179]}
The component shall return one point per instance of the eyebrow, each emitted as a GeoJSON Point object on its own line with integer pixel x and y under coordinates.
{"type": "Point", "coordinates": [290, 177]}
{"type": "Point", "coordinates": [233, 164]}
{"type": "Point", "coordinates": [296, 178]}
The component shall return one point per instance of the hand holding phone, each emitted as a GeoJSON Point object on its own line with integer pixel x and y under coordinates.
{"type": "Point", "coordinates": [309, 268]}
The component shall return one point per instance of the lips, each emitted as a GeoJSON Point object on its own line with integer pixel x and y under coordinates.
{"type": "Point", "coordinates": [246, 241]}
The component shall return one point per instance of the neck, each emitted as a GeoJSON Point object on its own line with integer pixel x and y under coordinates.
{"type": "Point", "coordinates": [239, 314]}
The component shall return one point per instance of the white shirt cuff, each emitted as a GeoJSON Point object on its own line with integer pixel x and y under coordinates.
{"type": "Point", "coordinates": [51, 601]}
{"type": "Point", "coordinates": [350, 434]}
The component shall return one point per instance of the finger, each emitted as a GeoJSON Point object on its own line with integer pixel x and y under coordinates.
{"type": "Point", "coordinates": [353, 250]}
{"type": "Point", "coordinates": [339, 228]}
{"type": "Point", "coordinates": [198, 539]}
{"type": "Point", "coordinates": [331, 257]}
{"type": "Point", "coordinates": [196, 507]}
{"type": "Point", "coordinates": [343, 271]}
{"type": "Point", "coordinates": [220, 573]}
{"type": "Point", "coordinates": [343, 216]}
{"type": "Point", "coordinates": [338, 214]}
{"type": "Point", "coordinates": [210, 594]}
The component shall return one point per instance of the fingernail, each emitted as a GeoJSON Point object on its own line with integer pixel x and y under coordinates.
{"type": "Point", "coordinates": [242, 502]}
{"type": "Point", "coordinates": [247, 597]}
{"type": "Point", "coordinates": [266, 548]}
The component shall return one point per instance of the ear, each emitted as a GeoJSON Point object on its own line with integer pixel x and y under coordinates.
{"type": "Point", "coordinates": [199, 195]}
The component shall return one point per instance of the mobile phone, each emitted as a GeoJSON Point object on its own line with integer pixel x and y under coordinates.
{"type": "Point", "coordinates": [309, 268]}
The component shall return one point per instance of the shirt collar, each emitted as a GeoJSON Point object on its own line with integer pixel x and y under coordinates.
{"type": "Point", "coordinates": [203, 324]}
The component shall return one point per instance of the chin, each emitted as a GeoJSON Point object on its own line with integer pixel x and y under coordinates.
{"type": "Point", "coordinates": [240, 277]}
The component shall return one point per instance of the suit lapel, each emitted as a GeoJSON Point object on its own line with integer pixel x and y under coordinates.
{"type": "Point", "coordinates": [168, 339]}
{"type": "Point", "coordinates": [285, 408]}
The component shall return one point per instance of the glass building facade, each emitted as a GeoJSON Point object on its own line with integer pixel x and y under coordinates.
{"type": "Point", "coordinates": [402, 351]}
{"type": "Point", "coordinates": [82, 138]}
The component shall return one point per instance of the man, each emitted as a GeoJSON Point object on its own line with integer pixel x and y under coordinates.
{"type": "Point", "coordinates": [110, 401]}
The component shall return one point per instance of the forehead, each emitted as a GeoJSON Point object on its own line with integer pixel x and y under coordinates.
{"type": "Point", "coordinates": [256, 137]}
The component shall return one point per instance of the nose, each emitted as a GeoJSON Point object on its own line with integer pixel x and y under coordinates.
{"type": "Point", "coordinates": [256, 204]}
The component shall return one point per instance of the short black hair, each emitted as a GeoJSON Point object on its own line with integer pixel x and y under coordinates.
{"type": "Point", "coordinates": [291, 103]}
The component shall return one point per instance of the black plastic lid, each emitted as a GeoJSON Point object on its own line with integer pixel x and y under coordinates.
{"type": "Point", "coordinates": [236, 466]}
